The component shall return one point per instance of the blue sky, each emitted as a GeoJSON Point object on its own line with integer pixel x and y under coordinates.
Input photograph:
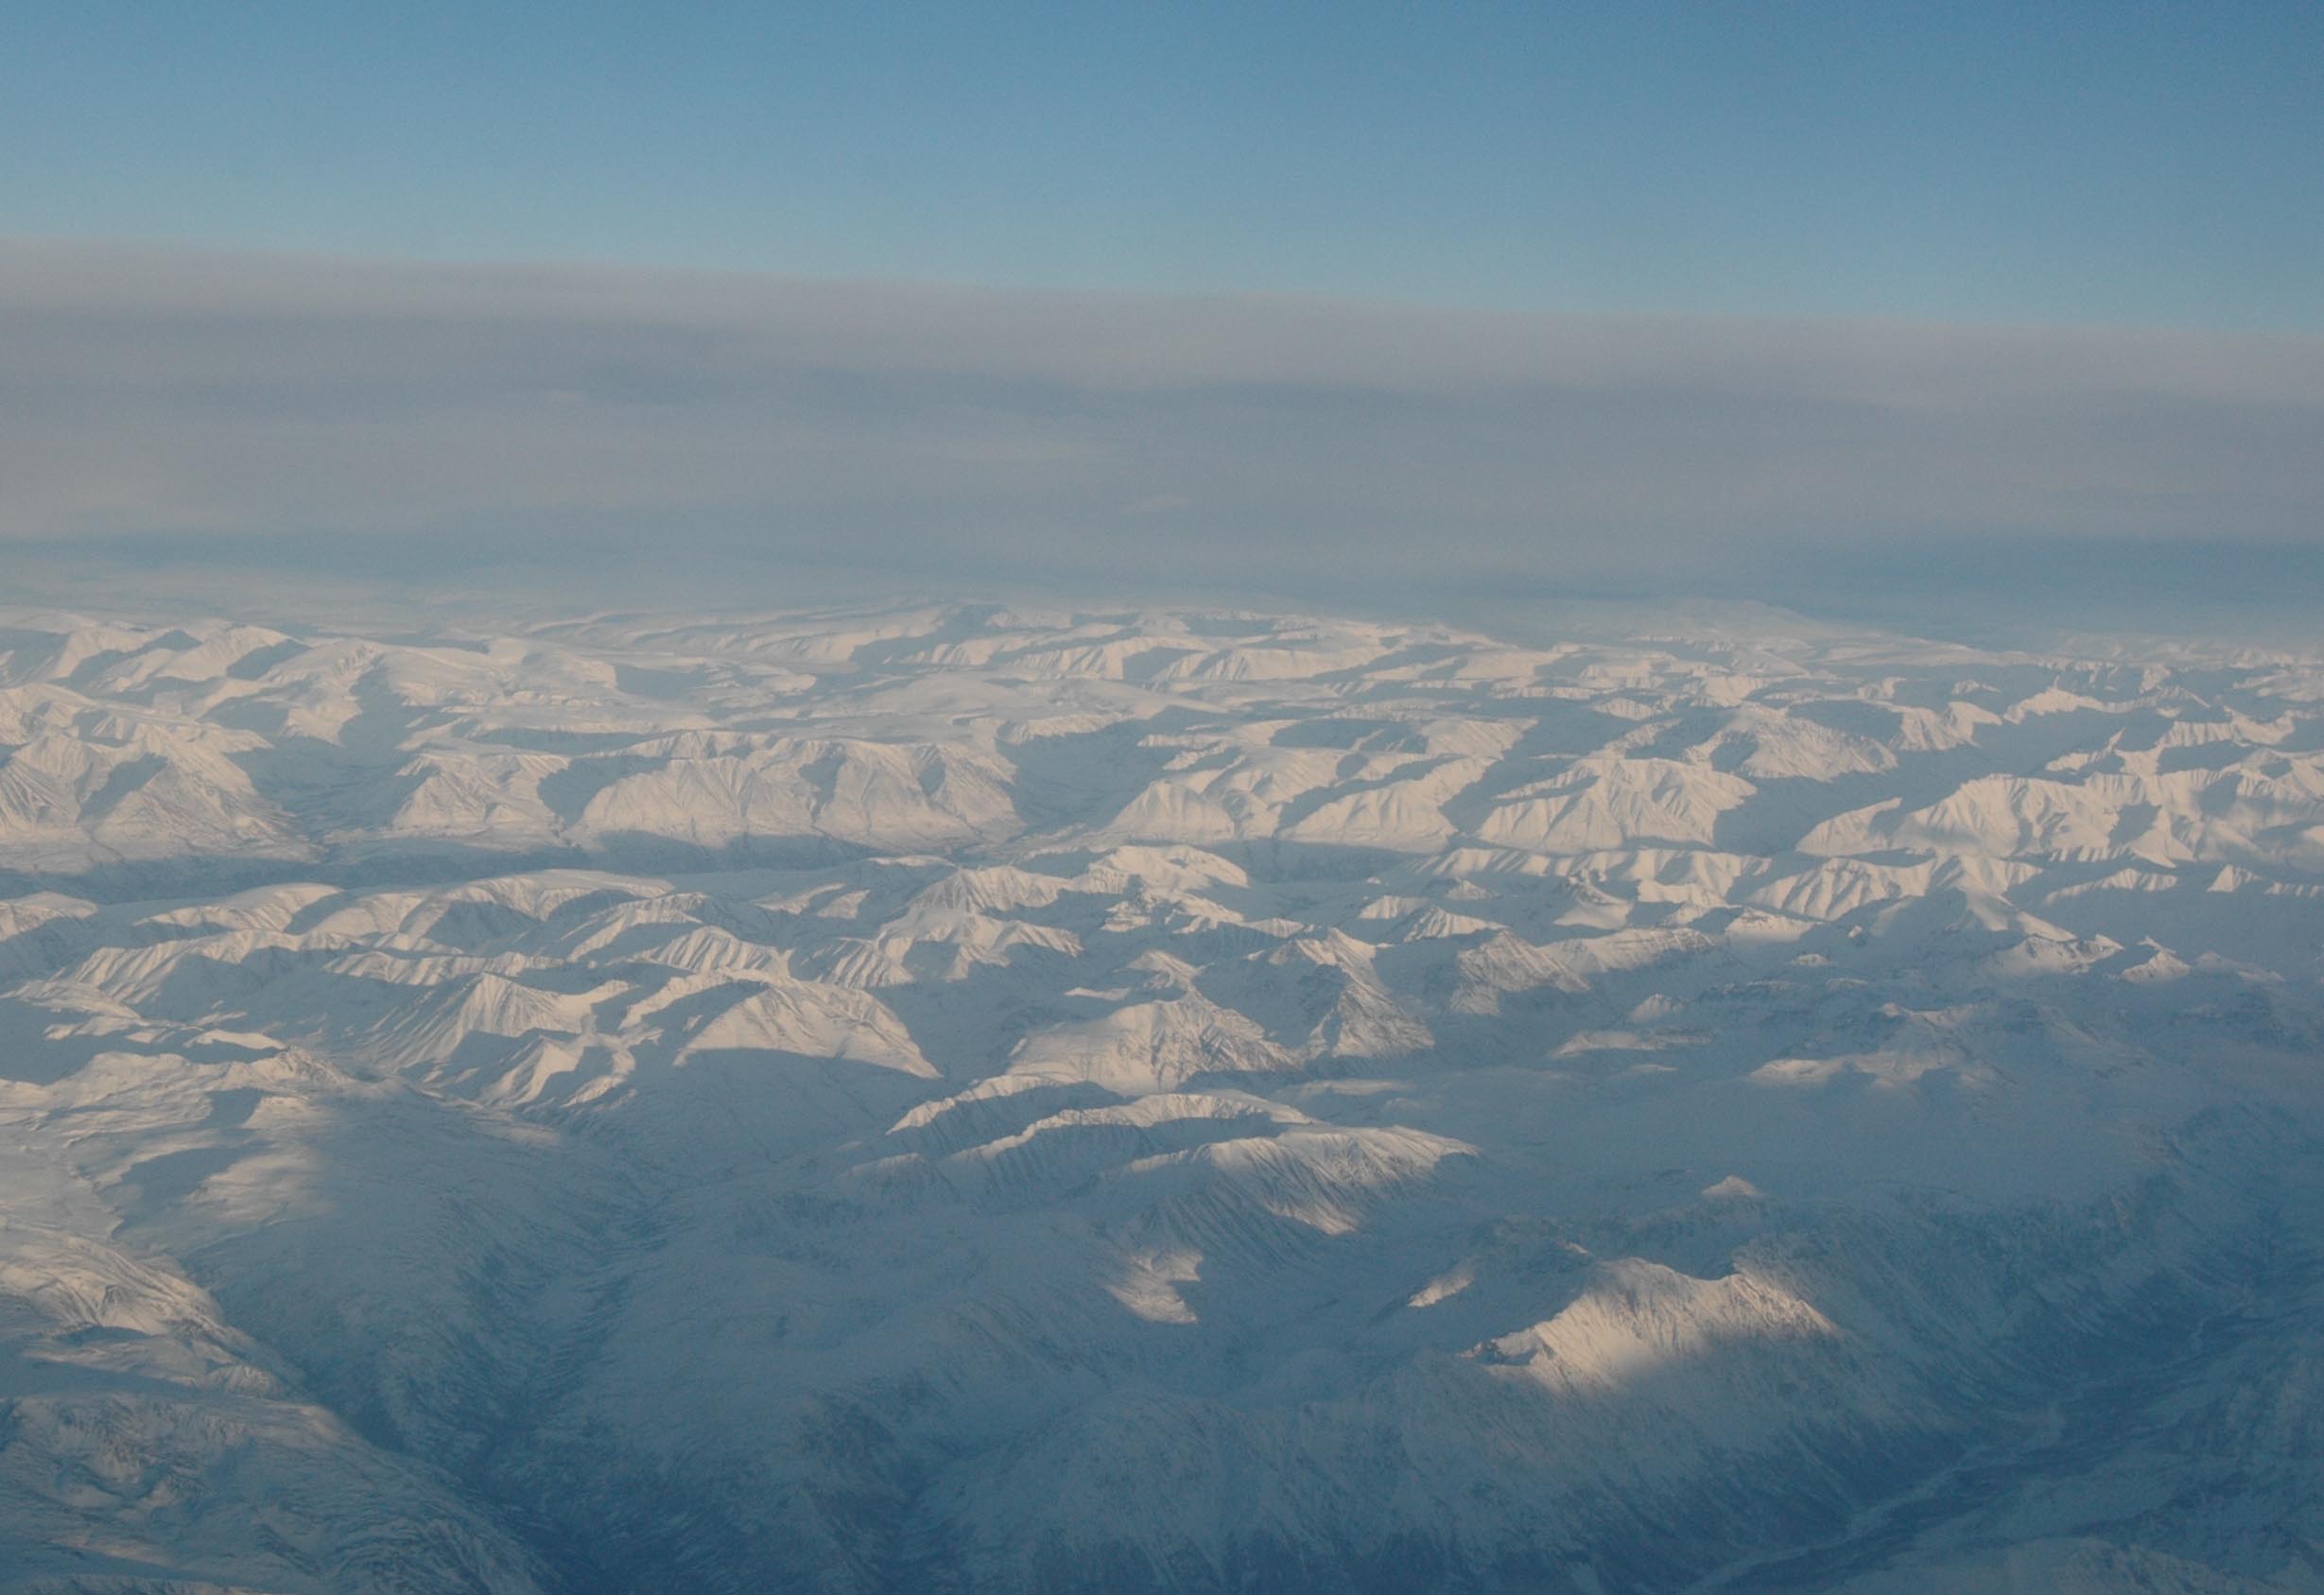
{"type": "Point", "coordinates": [2130, 163]}
{"type": "Point", "coordinates": [1358, 301]}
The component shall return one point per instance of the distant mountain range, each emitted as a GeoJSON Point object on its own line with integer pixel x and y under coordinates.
{"type": "Point", "coordinates": [953, 1099]}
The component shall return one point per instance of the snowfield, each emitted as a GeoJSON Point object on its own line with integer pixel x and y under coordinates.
{"type": "Point", "coordinates": [946, 1097]}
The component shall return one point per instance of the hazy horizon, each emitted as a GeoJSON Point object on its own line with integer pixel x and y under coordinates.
{"type": "Point", "coordinates": [392, 422]}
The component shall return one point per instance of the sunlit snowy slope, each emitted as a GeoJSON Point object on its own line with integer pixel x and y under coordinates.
{"type": "Point", "coordinates": [946, 1099]}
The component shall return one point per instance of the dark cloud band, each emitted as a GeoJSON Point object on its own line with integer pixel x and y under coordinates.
{"type": "Point", "coordinates": [162, 392]}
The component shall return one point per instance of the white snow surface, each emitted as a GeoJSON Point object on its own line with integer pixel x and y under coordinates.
{"type": "Point", "coordinates": [947, 1098]}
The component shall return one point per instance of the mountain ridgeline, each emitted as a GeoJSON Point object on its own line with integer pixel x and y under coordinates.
{"type": "Point", "coordinates": [953, 1099]}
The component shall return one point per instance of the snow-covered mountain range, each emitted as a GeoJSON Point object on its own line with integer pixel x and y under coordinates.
{"type": "Point", "coordinates": [953, 1099]}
